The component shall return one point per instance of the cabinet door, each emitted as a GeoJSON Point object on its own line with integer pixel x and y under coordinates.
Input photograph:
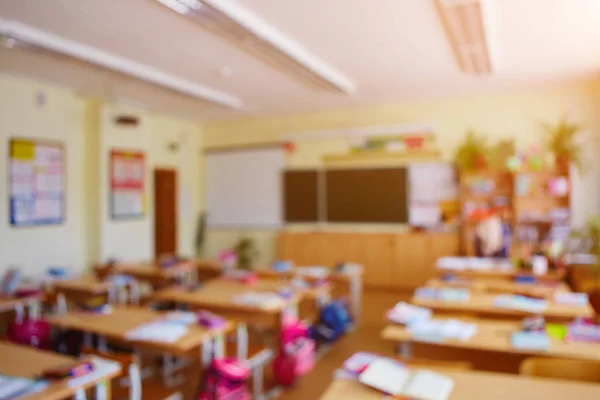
{"type": "Point", "coordinates": [443, 245]}
{"type": "Point", "coordinates": [304, 248]}
{"type": "Point", "coordinates": [412, 260]}
{"type": "Point", "coordinates": [372, 250]}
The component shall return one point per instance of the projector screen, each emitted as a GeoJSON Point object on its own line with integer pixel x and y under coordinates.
{"type": "Point", "coordinates": [243, 188]}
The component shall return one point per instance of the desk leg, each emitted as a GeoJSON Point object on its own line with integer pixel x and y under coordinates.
{"type": "Point", "coordinates": [103, 390]}
{"type": "Point", "coordinates": [356, 290]}
{"type": "Point", "coordinates": [405, 350]}
{"type": "Point", "coordinates": [87, 340]}
{"type": "Point", "coordinates": [242, 341]}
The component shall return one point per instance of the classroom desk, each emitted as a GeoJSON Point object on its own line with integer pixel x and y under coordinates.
{"type": "Point", "coordinates": [11, 303]}
{"type": "Point", "coordinates": [502, 273]}
{"type": "Point", "coordinates": [482, 305]}
{"type": "Point", "coordinates": [351, 282]}
{"type": "Point", "coordinates": [84, 288]}
{"type": "Point", "coordinates": [499, 286]}
{"type": "Point", "coordinates": [122, 319]}
{"type": "Point", "coordinates": [208, 268]}
{"type": "Point", "coordinates": [217, 296]}
{"type": "Point", "coordinates": [151, 273]}
{"type": "Point", "coordinates": [489, 349]}
{"type": "Point", "coordinates": [475, 385]}
{"type": "Point", "coordinates": [17, 360]}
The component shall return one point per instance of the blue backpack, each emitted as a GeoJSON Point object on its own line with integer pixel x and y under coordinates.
{"type": "Point", "coordinates": [334, 321]}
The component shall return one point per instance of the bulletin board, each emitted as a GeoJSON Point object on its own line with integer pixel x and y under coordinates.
{"type": "Point", "coordinates": [127, 180]}
{"type": "Point", "coordinates": [36, 182]}
{"type": "Point", "coordinates": [433, 191]}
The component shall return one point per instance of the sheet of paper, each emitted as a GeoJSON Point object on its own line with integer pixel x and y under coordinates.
{"type": "Point", "coordinates": [428, 385]}
{"type": "Point", "coordinates": [385, 375]}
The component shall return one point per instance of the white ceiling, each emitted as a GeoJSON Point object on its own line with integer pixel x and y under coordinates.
{"type": "Point", "coordinates": [393, 50]}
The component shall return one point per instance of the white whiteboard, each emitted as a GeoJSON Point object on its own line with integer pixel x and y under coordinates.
{"type": "Point", "coordinates": [243, 188]}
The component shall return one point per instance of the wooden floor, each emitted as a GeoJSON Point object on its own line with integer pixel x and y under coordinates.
{"type": "Point", "coordinates": [364, 338]}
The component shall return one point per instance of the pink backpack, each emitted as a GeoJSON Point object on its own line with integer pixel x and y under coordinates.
{"type": "Point", "coordinates": [225, 379]}
{"type": "Point", "coordinates": [30, 331]}
{"type": "Point", "coordinates": [297, 352]}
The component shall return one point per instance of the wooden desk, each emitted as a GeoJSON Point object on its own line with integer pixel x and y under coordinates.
{"type": "Point", "coordinates": [482, 305]}
{"type": "Point", "coordinates": [489, 348]}
{"type": "Point", "coordinates": [11, 303]}
{"type": "Point", "coordinates": [498, 286]}
{"type": "Point", "coordinates": [151, 273]}
{"type": "Point", "coordinates": [217, 296]}
{"type": "Point", "coordinates": [474, 385]}
{"type": "Point", "coordinates": [351, 283]}
{"type": "Point", "coordinates": [117, 324]}
{"type": "Point", "coordinates": [208, 269]}
{"type": "Point", "coordinates": [83, 289]}
{"type": "Point", "coordinates": [28, 362]}
{"type": "Point", "coordinates": [502, 273]}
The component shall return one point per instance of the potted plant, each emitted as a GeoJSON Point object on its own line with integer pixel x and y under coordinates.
{"type": "Point", "coordinates": [246, 252]}
{"type": "Point", "coordinates": [587, 240]}
{"type": "Point", "coordinates": [472, 153]}
{"type": "Point", "coordinates": [561, 141]}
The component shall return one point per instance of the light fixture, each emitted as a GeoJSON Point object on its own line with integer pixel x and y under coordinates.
{"type": "Point", "coordinates": [252, 34]}
{"type": "Point", "coordinates": [16, 34]}
{"type": "Point", "coordinates": [182, 6]}
{"type": "Point", "coordinates": [465, 26]}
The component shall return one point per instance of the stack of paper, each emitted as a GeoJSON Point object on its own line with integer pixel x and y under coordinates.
{"type": "Point", "coordinates": [182, 317]}
{"type": "Point", "coordinates": [159, 331]}
{"type": "Point", "coordinates": [259, 299]}
{"type": "Point", "coordinates": [391, 378]}
{"type": "Point", "coordinates": [521, 303]}
{"type": "Point", "coordinates": [404, 313]}
{"type": "Point", "coordinates": [443, 294]}
{"type": "Point", "coordinates": [530, 340]}
{"type": "Point", "coordinates": [11, 387]}
{"type": "Point", "coordinates": [451, 263]}
{"type": "Point", "coordinates": [313, 272]}
{"type": "Point", "coordinates": [439, 330]}
{"type": "Point", "coordinates": [575, 299]}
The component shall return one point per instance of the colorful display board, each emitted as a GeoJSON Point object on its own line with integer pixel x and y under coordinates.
{"type": "Point", "coordinates": [37, 182]}
{"type": "Point", "coordinates": [127, 176]}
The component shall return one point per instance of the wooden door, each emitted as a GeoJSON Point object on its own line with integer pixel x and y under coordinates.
{"type": "Point", "coordinates": [165, 212]}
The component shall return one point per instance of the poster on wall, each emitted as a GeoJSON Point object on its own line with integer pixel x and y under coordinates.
{"type": "Point", "coordinates": [433, 193]}
{"type": "Point", "coordinates": [36, 182]}
{"type": "Point", "coordinates": [126, 184]}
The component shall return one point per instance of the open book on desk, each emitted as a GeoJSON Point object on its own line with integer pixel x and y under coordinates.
{"type": "Point", "coordinates": [397, 380]}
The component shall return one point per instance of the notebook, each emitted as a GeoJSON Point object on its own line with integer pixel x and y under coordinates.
{"type": "Point", "coordinates": [389, 377]}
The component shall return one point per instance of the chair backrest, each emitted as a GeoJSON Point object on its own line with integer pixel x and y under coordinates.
{"type": "Point", "coordinates": [587, 371]}
{"type": "Point", "coordinates": [129, 368]}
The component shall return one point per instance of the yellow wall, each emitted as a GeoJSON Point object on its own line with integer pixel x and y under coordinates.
{"type": "Point", "coordinates": [507, 115]}
{"type": "Point", "coordinates": [87, 129]}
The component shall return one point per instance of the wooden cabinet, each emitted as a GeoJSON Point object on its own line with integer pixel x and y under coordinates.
{"type": "Point", "coordinates": [390, 260]}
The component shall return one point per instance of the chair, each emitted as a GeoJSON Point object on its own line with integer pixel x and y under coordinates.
{"type": "Point", "coordinates": [587, 371]}
{"type": "Point", "coordinates": [129, 384]}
